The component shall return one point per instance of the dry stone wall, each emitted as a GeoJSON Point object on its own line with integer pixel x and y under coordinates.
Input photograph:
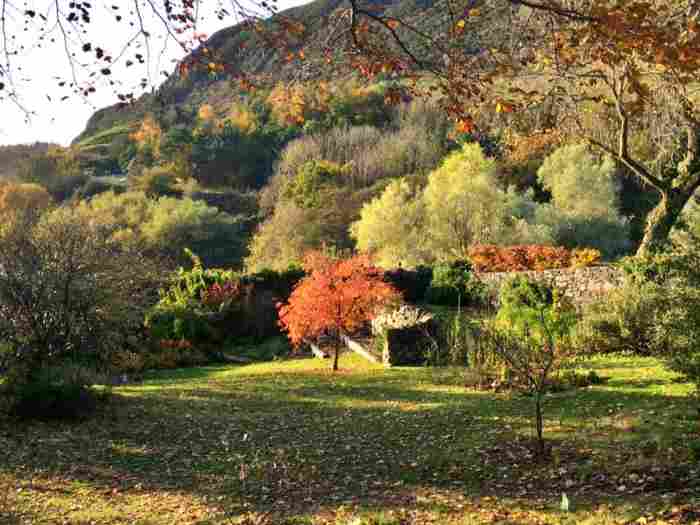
{"type": "Point", "coordinates": [581, 285]}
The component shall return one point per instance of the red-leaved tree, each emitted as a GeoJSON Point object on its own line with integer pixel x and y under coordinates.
{"type": "Point", "coordinates": [336, 298]}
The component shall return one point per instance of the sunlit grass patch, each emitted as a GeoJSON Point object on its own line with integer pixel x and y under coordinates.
{"type": "Point", "coordinates": [290, 442]}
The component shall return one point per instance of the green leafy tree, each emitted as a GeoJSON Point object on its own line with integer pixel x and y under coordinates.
{"type": "Point", "coordinates": [584, 206]}
{"type": "Point", "coordinates": [155, 181]}
{"type": "Point", "coordinates": [175, 224]}
{"type": "Point", "coordinates": [229, 156]}
{"type": "Point", "coordinates": [167, 225]}
{"type": "Point", "coordinates": [531, 338]}
{"type": "Point", "coordinates": [284, 238]}
{"type": "Point", "coordinates": [68, 291]}
{"type": "Point", "coordinates": [465, 206]}
{"type": "Point", "coordinates": [579, 182]}
{"type": "Point", "coordinates": [306, 188]}
{"type": "Point", "coordinates": [392, 228]}
{"type": "Point", "coordinates": [58, 170]}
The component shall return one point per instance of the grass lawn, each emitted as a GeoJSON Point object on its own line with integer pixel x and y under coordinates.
{"type": "Point", "coordinates": [290, 443]}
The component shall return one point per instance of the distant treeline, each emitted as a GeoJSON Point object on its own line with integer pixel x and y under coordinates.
{"type": "Point", "coordinates": [12, 156]}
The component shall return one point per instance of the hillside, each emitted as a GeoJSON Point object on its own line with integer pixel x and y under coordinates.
{"type": "Point", "coordinates": [176, 101]}
{"type": "Point", "coordinates": [179, 96]}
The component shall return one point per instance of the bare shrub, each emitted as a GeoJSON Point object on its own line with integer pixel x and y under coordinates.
{"type": "Point", "coordinates": [68, 293]}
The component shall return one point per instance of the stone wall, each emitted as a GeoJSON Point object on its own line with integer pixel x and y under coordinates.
{"type": "Point", "coordinates": [581, 285]}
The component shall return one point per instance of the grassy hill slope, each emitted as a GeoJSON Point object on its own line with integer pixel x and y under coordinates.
{"type": "Point", "coordinates": [178, 95]}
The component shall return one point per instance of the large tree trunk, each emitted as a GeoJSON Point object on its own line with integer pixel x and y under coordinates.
{"type": "Point", "coordinates": [661, 220]}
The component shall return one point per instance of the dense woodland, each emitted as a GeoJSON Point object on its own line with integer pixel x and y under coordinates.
{"type": "Point", "coordinates": [324, 164]}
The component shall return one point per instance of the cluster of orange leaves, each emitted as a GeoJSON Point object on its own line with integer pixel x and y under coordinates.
{"type": "Point", "coordinates": [288, 104]}
{"type": "Point", "coordinates": [526, 257]}
{"type": "Point", "coordinates": [337, 296]}
{"type": "Point", "coordinates": [206, 112]}
{"type": "Point", "coordinates": [218, 294]}
{"type": "Point", "coordinates": [638, 32]}
{"type": "Point", "coordinates": [148, 134]}
{"type": "Point", "coordinates": [292, 103]}
{"type": "Point", "coordinates": [465, 125]}
{"type": "Point", "coordinates": [522, 148]}
{"type": "Point", "coordinates": [370, 66]}
{"type": "Point", "coordinates": [242, 118]}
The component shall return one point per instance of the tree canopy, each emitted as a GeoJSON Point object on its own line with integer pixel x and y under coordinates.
{"type": "Point", "coordinates": [337, 298]}
{"type": "Point", "coordinates": [619, 75]}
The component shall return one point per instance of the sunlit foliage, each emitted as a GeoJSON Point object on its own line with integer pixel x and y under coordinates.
{"type": "Point", "coordinates": [23, 197]}
{"type": "Point", "coordinates": [148, 138]}
{"type": "Point", "coordinates": [584, 205]}
{"type": "Point", "coordinates": [167, 225]}
{"type": "Point", "coordinates": [465, 206]}
{"type": "Point", "coordinates": [337, 298]}
{"type": "Point", "coordinates": [392, 227]}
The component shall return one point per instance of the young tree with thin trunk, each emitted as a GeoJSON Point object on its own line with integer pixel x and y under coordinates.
{"type": "Point", "coordinates": [531, 360]}
{"type": "Point", "coordinates": [337, 297]}
{"type": "Point", "coordinates": [529, 336]}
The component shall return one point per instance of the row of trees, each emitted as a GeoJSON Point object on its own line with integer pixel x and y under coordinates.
{"type": "Point", "coordinates": [235, 142]}
{"type": "Point", "coordinates": [630, 65]}
{"type": "Point", "coordinates": [163, 227]}
{"type": "Point", "coordinates": [420, 219]}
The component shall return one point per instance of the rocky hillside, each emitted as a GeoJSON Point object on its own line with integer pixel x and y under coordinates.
{"type": "Point", "coordinates": [177, 99]}
{"type": "Point", "coordinates": [179, 95]}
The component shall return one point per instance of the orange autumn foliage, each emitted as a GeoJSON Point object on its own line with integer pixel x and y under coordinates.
{"type": "Point", "coordinates": [148, 135]}
{"type": "Point", "coordinates": [518, 258]}
{"type": "Point", "coordinates": [521, 148]}
{"type": "Point", "coordinates": [491, 258]}
{"type": "Point", "coordinates": [23, 197]}
{"type": "Point", "coordinates": [337, 297]}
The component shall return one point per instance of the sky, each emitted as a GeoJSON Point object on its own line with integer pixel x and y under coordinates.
{"type": "Point", "coordinates": [37, 66]}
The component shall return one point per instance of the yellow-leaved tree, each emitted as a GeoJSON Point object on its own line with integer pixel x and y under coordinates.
{"type": "Point", "coordinates": [465, 206]}
{"type": "Point", "coordinates": [392, 227]}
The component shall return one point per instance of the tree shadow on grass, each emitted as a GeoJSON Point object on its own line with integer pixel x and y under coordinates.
{"type": "Point", "coordinates": [313, 442]}
{"type": "Point", "coordinates": [637, 383]}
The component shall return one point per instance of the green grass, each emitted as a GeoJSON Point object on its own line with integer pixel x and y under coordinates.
{"type": "Point", "coordinates": [290, 443]}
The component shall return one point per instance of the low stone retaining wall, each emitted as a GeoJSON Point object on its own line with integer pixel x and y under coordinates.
{"type": "Point", "coordinates": [581, 285]}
